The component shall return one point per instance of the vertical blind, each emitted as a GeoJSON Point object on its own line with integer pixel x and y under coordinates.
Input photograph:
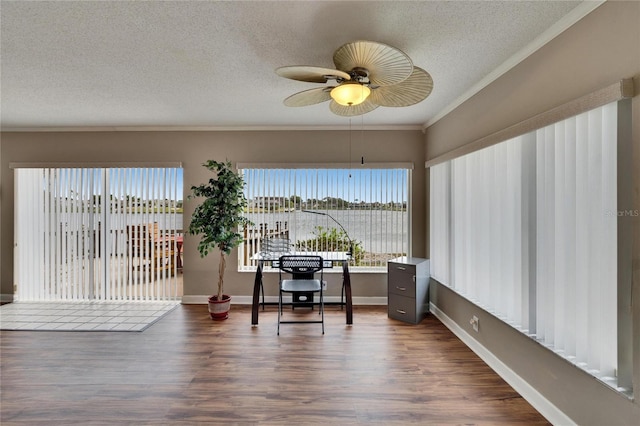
{"type": "Point", "coordinates": [577, 239]}
{"type": "Point", "coordinates": [96, 234]}
{"type": "Point", "coordinates": [526, 229]}
{"type": "Point", "coordinates": [369, 206]}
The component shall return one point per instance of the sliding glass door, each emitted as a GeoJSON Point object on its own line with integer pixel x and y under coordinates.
{"type": "Point", "coordinates": [98, 233]}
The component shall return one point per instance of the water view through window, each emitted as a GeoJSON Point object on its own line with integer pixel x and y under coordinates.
{"type": "Point", "coordinates": [329, 209]}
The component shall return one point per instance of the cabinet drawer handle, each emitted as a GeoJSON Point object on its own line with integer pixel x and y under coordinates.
{"type": "Point", "coordinates": [400, 311]}
{"type": "Point", "coordinates": [401, 288]}
{"type": "Point", "coordinates": [402, 268]}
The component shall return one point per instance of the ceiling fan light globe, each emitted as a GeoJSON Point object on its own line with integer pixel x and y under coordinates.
{"type": "Point", "coordinates": [350, 93]}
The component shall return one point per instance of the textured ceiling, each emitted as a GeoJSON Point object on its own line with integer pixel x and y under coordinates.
{"type": "Point", "coordinates": [210, 64]}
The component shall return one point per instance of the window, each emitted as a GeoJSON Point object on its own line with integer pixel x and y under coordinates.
{"type": "Point", "coordinates": [527, 229]}
{"type": "Point", "coordinates": [330, 208]}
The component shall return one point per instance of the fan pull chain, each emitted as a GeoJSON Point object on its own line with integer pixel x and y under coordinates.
{"type": "Point", "coordinates": [362, 145]}
{"type": "Point", "coordinates": [350, 164]}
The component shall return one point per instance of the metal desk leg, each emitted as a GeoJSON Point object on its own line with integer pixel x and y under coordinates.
{"type": "Point", "coordinates": [347, 291]}
{"type": "Point", "coordinates": [257, 285]}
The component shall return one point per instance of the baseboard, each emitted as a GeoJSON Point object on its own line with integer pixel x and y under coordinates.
{"type": "Point", "coordinates": [6, 298]}
{"type": "Point", "coordinates": [248, 300]}
{"type": "Point", "coordinates": [533, 397]}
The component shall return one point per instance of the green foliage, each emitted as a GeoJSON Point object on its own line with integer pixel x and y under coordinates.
{"type": "Point", "coordinates": [331, 239]}
{"type": "Point", "coordinates": [218, 219]}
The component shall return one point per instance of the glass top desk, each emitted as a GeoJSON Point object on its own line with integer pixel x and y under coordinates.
{"type": "Point", "coordinates": [335, 257]}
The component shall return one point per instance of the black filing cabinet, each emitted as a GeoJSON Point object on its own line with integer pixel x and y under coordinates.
{"type": "Point", "coordinates": [408, 288]}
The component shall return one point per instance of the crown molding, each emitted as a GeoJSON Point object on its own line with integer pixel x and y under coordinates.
{"type": "Point", "coordinates": [554, 31]}
{"type": "Point", "coordinates": [412, 127]}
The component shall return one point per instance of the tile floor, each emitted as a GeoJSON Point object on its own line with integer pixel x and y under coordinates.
{"type": "Point", "coordinates": [83, 316]}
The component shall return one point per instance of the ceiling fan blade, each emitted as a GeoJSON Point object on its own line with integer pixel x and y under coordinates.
{"type": "Point", "coordinates": [408, 92]}
{"type": "Point", "coordinates": [309, 97]}
{"type": "Point", "coordinates": [311, 74]}
{"type": "Point", "coordinates": [350, 111]}
{"type": "Point", "coordinates": [386, 65]}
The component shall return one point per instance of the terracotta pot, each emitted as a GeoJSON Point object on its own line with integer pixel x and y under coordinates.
{"type": "Point", "coordinates": [219, 309]}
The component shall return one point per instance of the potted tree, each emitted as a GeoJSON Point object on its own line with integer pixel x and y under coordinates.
{"type": "Point", "coordinates": [218, 220]}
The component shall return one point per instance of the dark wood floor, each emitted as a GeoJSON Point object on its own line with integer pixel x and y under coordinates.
{"type": "Point", "coordinates": [187, 369]}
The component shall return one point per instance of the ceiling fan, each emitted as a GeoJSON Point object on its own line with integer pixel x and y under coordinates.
{"type": "Point", "coordinates": [367, 75]}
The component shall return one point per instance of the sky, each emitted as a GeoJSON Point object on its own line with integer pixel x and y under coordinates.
{"type": "Point", "coordinates": [354, 185]}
